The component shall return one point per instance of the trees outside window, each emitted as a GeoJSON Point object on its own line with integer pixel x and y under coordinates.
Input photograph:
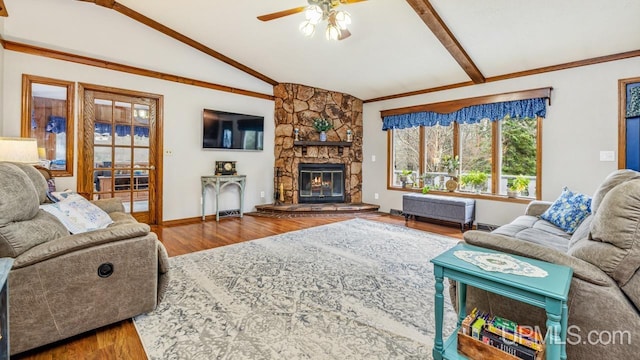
{"type": "Point", "coordinates": [406, 154]}
{"type": "Point", "coordinates": [475, 151]}
{"type": "Point", "coordinates": [519, 152]}
{"type": "Point", "coordinates": [503, 150]}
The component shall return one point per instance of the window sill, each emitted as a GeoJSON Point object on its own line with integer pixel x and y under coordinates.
{"type": "Point", "coordinates": [468, 195]}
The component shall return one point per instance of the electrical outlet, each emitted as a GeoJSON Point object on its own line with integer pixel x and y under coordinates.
{"type": "Point", "coordinates": [262, 194]}
{"type": "Point", "coordinates": [168, 152]}
{"type": "Point", "coordinates": [376, 196]}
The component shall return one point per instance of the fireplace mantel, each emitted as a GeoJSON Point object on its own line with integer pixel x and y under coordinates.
{"type": "Point", "coordinates": [304, 144]}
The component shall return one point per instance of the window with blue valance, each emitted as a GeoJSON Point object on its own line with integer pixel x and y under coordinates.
{"type": "Point", "coordinates": [121, 130]}
{"type": "Point", "coordinates": [519, 109]}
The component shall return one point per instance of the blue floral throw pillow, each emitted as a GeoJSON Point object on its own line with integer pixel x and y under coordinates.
{"type": "Point", "coordinates": [568, 211]}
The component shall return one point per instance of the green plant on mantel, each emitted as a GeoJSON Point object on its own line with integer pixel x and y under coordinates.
{"type": "Point", "coordinates": [322, 124]}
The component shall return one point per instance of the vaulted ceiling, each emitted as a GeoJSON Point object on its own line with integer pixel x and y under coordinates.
{"type": "Point", "coordinates": [397, 47]}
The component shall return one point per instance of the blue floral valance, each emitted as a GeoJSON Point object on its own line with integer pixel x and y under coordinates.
{"type": "Point", "coordinates": [528, 108]}
{"type": "Point", "coordinates": [121, 130]}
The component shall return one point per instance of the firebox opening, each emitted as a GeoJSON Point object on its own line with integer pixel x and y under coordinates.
{"type": "Point", "coordinates": [320, 183]}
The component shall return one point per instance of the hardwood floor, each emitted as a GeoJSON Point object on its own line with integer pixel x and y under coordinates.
{"type": "Point", "coordinates": [120, 340]}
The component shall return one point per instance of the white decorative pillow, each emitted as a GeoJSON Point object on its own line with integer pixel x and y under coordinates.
{"type": "Point", "coordinates": [78, 214]}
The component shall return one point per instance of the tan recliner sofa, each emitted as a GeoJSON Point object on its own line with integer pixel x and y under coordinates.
{"type": "Point", "coordinates": [604, 252]}
{"type": "Point", "coordinates": [61, 285]}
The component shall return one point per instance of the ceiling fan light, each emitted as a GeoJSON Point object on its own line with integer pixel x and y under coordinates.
{"type": "Point", "coordinates": [343, 19]}
{"type": "Point", "coordinates": [333, 32]}
{"type": "Point", "coordinates": [307, 28]}
{"type": "Point", "coordinates": [313, 14]}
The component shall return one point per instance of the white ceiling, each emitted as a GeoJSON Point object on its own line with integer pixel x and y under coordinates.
{"type": "Point", "coordinates": [391, 50]}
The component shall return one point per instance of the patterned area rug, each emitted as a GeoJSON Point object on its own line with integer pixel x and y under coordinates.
{"type": "Point", "coordinates": [356, 289]}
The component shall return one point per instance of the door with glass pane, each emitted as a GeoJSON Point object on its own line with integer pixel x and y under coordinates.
{"type": "Point", "coordinates": [119, 150]}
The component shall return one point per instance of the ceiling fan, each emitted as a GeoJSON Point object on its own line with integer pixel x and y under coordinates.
{"type": "Point", "coordinates": [319, 10]}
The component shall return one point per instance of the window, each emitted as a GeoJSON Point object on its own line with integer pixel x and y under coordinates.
{"type": "Point", "coordinates": [490, 154]}
{"type": "Point", "coordinates": [47, 115]}
{"type": "Point", "coordinates": [406, 156]}
{"type": "Point", "coordinates": [438, 145]}
{"type": "Point", "coordinates": [519, 152]}
{"type": "Point", "coordinates": [475, 154]}
{"type": "Point", "coordinates": [516, 139]}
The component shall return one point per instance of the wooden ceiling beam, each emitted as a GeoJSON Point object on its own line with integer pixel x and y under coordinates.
{"type": "Point", "coordinates": [428, 14]}
{"type": "Point", "coordinates": [3, 9]}
{"type": "Point", "coordinates": [112, 4]}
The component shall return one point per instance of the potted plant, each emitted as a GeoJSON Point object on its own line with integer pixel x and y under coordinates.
{"type": "Point", "coordinates": [405, 177]}
{"type": "Point", "coordinates": [475, 179]}
{"type": "Point", "coordinates": [518, 184]}
{"type": "Point", "coordinates": [322, 125]}
{"type": "Point", "coordinates": [450, 164]}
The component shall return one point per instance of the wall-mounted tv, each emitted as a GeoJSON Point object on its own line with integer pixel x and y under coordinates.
{"type": "Point", "coordinates": [232, 131]}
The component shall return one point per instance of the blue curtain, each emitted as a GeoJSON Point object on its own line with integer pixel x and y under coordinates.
{"type": "Point", "coordinates": [102, 128]}
{"type": "Point", "coordinates": [141, 131]}
{"type": "Point", "coordinates": [56, 125]}
{"type": "Point", "coordinates": [121, 130]}
{"type": "Point", "coordinates": [519, 109]}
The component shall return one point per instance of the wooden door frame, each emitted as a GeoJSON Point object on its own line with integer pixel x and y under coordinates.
{"type": "Point", "coordinates": [85, 136]}
{"type": "Point", "coordinates": [622, 120]}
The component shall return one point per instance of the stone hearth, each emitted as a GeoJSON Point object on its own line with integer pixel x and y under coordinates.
{"type": "Point", "coordinates": [295, 108]}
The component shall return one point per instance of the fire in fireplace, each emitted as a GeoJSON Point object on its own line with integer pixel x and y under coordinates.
{"type": "Point", "coordinates": [320, 183]}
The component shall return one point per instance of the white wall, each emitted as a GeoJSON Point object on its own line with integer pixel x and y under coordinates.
{"type": "Point", "coordinates": [581, 121]}
{"type": "Point", "coordinates": [80, 29]}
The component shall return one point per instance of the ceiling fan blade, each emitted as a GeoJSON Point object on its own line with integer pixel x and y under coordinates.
{"type": "Point", "coordinates": [344, 34]}
{"type": "Point", "coordinates": [282, 13]}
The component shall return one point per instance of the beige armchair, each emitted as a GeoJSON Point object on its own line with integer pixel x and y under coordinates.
{"type": "Point", "coordinates": [61, 284]}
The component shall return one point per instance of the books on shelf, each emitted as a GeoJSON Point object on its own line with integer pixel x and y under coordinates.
{"type": "Point", "coordinates": [522, 342]}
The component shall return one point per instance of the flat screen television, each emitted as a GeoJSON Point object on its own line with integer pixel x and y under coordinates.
{"type": "Point", "coordinates": [232, 131]}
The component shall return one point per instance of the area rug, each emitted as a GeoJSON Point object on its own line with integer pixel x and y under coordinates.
{"type": "Point", "coordinates": [357, 289]}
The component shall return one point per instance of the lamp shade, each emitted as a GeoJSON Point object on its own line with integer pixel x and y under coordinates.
{"type": "Point", "coordinates": [22, 150]}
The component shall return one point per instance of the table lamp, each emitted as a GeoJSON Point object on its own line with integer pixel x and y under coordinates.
{"type": "Point", "coordinates": [21, 150]}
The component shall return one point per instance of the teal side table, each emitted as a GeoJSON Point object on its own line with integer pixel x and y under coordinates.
{"type": "Point", "coordinates": [5, 266]}
{"type": "Point", "coordinates": [549, 292]}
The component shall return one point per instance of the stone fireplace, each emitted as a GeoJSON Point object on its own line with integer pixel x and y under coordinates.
{"type": "Point", "coordinates": [295, 108]}
{"type": "Point", "coordinates": [320, 183]}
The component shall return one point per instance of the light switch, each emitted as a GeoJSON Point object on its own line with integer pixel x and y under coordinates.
{"type": "Point", "coordinates": [373, 158]}
{"type": "Point", "coordinates": [607, 156]}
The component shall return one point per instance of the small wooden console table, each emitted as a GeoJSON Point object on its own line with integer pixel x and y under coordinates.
{"type": "Point", "coordinates": [219, 182]}
{"type": "Point", "coordinates": [549, 292]}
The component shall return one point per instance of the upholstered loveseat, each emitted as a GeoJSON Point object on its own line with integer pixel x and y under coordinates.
{"type": "Point", "coordinates": [60, 284]}
{"type": "Point", "coordinates": [604, 252]}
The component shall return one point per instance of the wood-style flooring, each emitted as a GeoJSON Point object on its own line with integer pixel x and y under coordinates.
{"type": "Point", "coordinates": [120, 340]}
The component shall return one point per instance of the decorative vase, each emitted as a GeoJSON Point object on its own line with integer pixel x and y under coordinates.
{"type": "Point", "coordinates": [323, 136]}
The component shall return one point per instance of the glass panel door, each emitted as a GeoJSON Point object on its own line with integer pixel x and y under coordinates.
{"type": "Point", "coordinates": [122, 128]}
